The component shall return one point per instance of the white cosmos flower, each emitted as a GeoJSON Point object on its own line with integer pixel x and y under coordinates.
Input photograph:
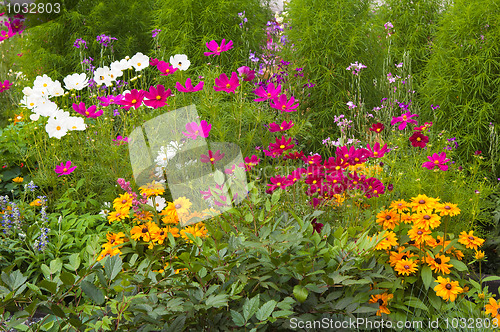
{"type": "Point", "coordinates": [57, 127]}
{"type": "Point", "coordinates": [140, 61]}
{"type": "Point", "coordinates": [102, 75]}
{"type": "Point", "coordinates": [45, 107]}
{"type": "Point", "coordinates": [31, 101]}
{"type": "Point", "coordinates": [60, 114]}
{"type": "Point", "coordinates": [76, 81]}
{"type": "Point", "coordinates": [56, 90]}
{"type": "Point", "coordinates": [159, 203]}
{"type": "Point", "coordinates": [76, 123]}
{"type": "Point", "coordinates": [180, 61]}
{"type": "Point", "coordinates": [125, 64]}
{"type": "Point", "coordinates": [117, 68]}
{"type": "Point", "coordinates": [42, 82]}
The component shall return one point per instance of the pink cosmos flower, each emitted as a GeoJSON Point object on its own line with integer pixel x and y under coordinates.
{"type": "Point", "coordinates": [189, 87]}
{"type": "Point", "coordinates": [6, 34]}
{"type": "Point", "coordinates": [154, 62]}
{"type": "Point", "coordinates": [246, 73]}
{"type": "Point", "coordinates": [110, 100]}
{"type": "Point", "coordinates": [352, 155]}
{"type": "Point", "coordinates": [216, 49]}
{"type": "Point", "coordinates": [283, 105]}
{"type": "Point", "coordinates": [419, 140]}
{"type": "Point", "coordinates": [194, 129]}
{"type": "Point", "coordinates": [376, 151]}
{"type": "Point", "coordinates": [165, 68]}
{"type": "Point", "coordinates": [64, 169]}
{"type": "Point", "coordinates": [4, 86]}
{"type": "Point", "coordinates": [252, 161]}
{"type": "Point", "coordinates": [156, 97]}
{"type": "Point", "coordinates": [373, 187]}
{"type": "Point", "coordinates": [87, 112]}
{"type": "Point", "coordinates": [404, 119]}
{"type": "Point", "coordinates": [279, 182]}
{"type": "Point", "coordinates": [212, 157]}
{"type": "Point", "coordinates": [120, 140]}
{"type": "Point", "coordinates": [271, 93]}
{"type": "Point", "coordinates": [225, 84]}
{"type": "Point", "coordinates": [134, 98]}
{"type": "Point", "coordinates": [282, 144]}
{"type": "Point", "coordinates": [437, 160]}
{"type": "Point", "coordinates": [274, 127]}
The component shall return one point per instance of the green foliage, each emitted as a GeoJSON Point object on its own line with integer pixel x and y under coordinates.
{"type": "Point", "coordinates": [188, 25]}
{"type": "Point", "coordinates": [463, 75]}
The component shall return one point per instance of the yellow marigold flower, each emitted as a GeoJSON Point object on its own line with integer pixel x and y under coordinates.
{"type": "Point", "coordinates": [143, 216]}
{"type": "Point", "coordinates": [153, 188]}
{"type": "Point", "coordinates": [388, 241]}
{"type": "Point", "coordinates": [447, 289]}
{"type": "Point", "coordinates": [182, 205]}
{"type": "Point", "coordinates": [470, 241]}
{"type": "Point", "coordinates": [36, 202]}
{"type": "Point", "coordinates": [198, 230]}
{"type": "Point", "coordinates": [419, 235]}
{"type": "Point", "coordinates": [383, 301]}
{"type": "Point", "coordinates": [438, 241]}
{"type": "Point", "coordinates": [422, 202]}
{"type": "Point", "coordinates": [171, 220]}
{"type": "Point", "coordinates": [117, 215]}
{"type": "Point", "coordinates": [406, 267]}
{"type": "Point", "coordinates": [388, 219]}
{"type": "Point", "coordinates": [401, 254]}
{"type": "Point", "coordinates": [123, 202]}
{"type": "Point", "coordinates": [18, 179]}
{"type": "Point", "coordinates": [160, 234]}
{"type": "Point", "coordinates": [439, 264]}
{"type": "Point", "coordinates": [426, 220]}
{"type": "Point", "coordinates": [479, 255]}
{"type": "Point", "coordinates": [407, 218]}
{"type": "Point", "coordinates": [457, 253]}
{"type": "Point", "coordinates": [145, 231]}
{"type": "Point", "coordinates": [108, 251]}
{"type": "Point", "coordinates": [448, 209]}
{"type": "Point", "coordinates": [399, 206]}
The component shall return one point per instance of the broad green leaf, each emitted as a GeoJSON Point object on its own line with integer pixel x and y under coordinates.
{"type": "Point", "coordinates": [55, 265]}
{"type": "Point", "coordinates": [300, 293]}
{"type": "Point", "coordinates": [217, 301]}
{"type": "Point", "coordinates": [93, 292]}
{"type": "Point", "coordinates": [67, 278]}
{"type": "Point", "coordinates": [266, 310]}
{"type": "Point", "coordinates": [113, 266]}
{"type": "Point", "coordinates": [416, 303]}
{"type": "Point", "coordinates": [237, 318]}
{"type": "Point", "coordinates": [250, 307]}
{"type": "Point", "coordinates": [460, 266]}
{"type": "Point", "coordinates": [427, 278]}
{"type": "Point", "coordinates": [491, 278]}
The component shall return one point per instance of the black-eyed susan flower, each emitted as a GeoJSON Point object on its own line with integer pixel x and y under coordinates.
{"type": "Point", "coordinates": [419, 235]}
{"type": "Point", "coordinates": [388, 241]}
{"type": "Point", "coordinates": [426, 220]}
{"type": "Point", "coordinates": [439, 263]}
{"type": "Point", "coordinates": [182, 205]}
{"type": "Point", "coordinates": [399, 206]}
{"type": "Point", "coordinates": [383, 301]}
{"type": "Point", "coordinates": [143, 216]}
{"type": "Point", "coordinates": [422, 202]}
{"type": "Point", "coordinates": [115, 238]}
{"type": "Point", "coordinates": [152, 189]}
{"type": "Point", "coordinates": [402, 253]}
{"type": "Point", "coordinates": [123, 202]}
{"type": "Point", "coordinates": [447, 289]}
{"type": "Point", "coordinates": [493, 308]}
{"type": "Point", "coordinates": [470, 241]}
{"type": "Point", "coordinates": [406, 267]}
{"type": "Point", "coordinates": [388, 219]}
{"type": "Point", "coordinates": [438, 241]}
{"type": "Point", "coordinates": [197, 230]}
{"type": "Point", "coordinates": [117, 215]}
{"type": "Point", "coordinates": [448, 209]}
{"type": "Point", "coordinates": [108, 250]}
{"type": "Point", "coordinates": [479, 255]}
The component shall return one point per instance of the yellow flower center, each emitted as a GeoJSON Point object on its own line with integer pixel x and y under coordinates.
{"type": "Point", "coordinates": [65, 169]}
{"type": "Point", "coordinates": [278, 184]}
{"type": "Point", "coordinates": [218, 49]}
{"type": "Point", "coordinates": [404, 117]}
{"type": "Point", "coordinates": [282, 146]}
{"type": "Point", "coordinates": [139, 64]}
{"type": "Point", "coordinates": [58, 128]}
{"type": "Point", "coordinates": [436, 162]}
{"type": "Point", "coordinates": [134, 101]}
{"type": "Point", "coordinates": [419, 139]}
{"type": "Point", "coordinates": [212, 159]}
{"type": "Point", "coordinates": [375, 153]}
{"type": "Point", "coordinates": [158, 97]}
{"type": "Point", "coordinates": [228, 85]}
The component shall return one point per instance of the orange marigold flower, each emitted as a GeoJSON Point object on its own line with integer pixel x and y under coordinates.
{"type": "Point", "coordinates": [448, 209]}
{"type": "Point", "coordinates": [383, 301]}
{"type": "Point", "coordinates": [388, 241]}
{"type": "Point", "coordinates": [401, 254]}
{"type": "Point", "coordinates": [419, 235]}
{"type": "Point", "coordinates": [422, 202]}
{"type": "Point", "coordinates": [388, 219]}
{"type": "Point", "coordinates": [470, 241]}
{"type": "Point", "coordinates": [399, 206]}
{"type": "Point", "coordinates": [426, 220]}
{"type": "Point", "coordinates": [493, 308]}
{"type": "Point", "coordinates": [447, 289]}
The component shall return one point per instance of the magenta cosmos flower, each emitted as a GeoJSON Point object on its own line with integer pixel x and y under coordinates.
{"type": "Point", "coordinates": [437, 160]}
{"type": "Point", "coordinates": [189, 87]}
{"type": "Point", "coordinates": [120, 140]}
{"type": "Point", "coordinates": [64, 169]}
{"type": "Point", "coordinates": [87, 112]}
{"type": "Point", "coordinates": [376, 151]}
{"type": "Point", "coordinates": [281, 103]}
{"type": "Point", "coordinates": [212, 157]}
{"type": "Point", "coordinates": [194, 129]}
{"type": "Point", "coordinates": [282, 144]}
{"type": "Point", "coordinates": [224, 84]}
{"type": "Point", "coordinates": [216, 49]}
{"type": "Point", "coordinates": [166, 68]}
{"type": "Point", "coordinates": [252, 161]}
{"type": "Point", "coordinates": [110, 100]}
{"type": "Point", "coordinates": [279, 182]}
{"type": "Point", "coordinates": [156, 97]}
{"type": "Point", "coordinates": [404, 119]}
{"type": "Point", "coordinates": [274, 127]}
{"type": "Point", "coordinates": [4, 86]}
{"type": "Point", "coordinates": [246, 73]}
{"type": "Point", "coordinates": [134, 98]}
{"type": "Point", "coordinates": [270, 92]}
{"type": "Point", "coordinates": [419, 140]}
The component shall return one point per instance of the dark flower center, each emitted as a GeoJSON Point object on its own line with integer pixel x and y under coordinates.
{"type": "Point", "coordinates": [420, 232]}
{"type": "Point", "coordinates": [177, 206]}
{"type": "Point", "coordinates": [421, 201]}
{"type": "Point", "coordinates": [387, 217]}
{"type": "Point", "coordinates": [448, 286]}
{"type": "Point", "coordinates": [145, 230]}
{"type": "Point", "coordinates": [447, 207]}
{"type": "Point", "coordinates": [112, 241]}
{"type": "Point", "coordinates": [427, 217]}
{"type": "Point", "coordinates": [404, 257]}
{"type": "Point", "coordinates": [407, 267]}
{"type": "Point", "coordinates": [380, 302]}
{"type": "Point", "coordinates": [438, 260]}
{"type": "Point", "coordinates": [471, 238]}
{"type": "Point", "coordinates": [411, 242]}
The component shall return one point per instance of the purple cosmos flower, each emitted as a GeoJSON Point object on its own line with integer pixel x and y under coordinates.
{"type": "Point", "coordinates": [189, 86]}
{"type": "Point", "coordinates": [134, 98]}
{"type": "Point", "coordinates": [109, 100]}
{"type": "Point", "coordinates": [404, 119]}
{"type": "Point", "coordinates": [64, 169]}
{"type": "Point", "coordinates": [246, 73]}
{"type": "Point", "coordinates": [166, 68]}
{"type": "Point", "coordinates": [211, 157]}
